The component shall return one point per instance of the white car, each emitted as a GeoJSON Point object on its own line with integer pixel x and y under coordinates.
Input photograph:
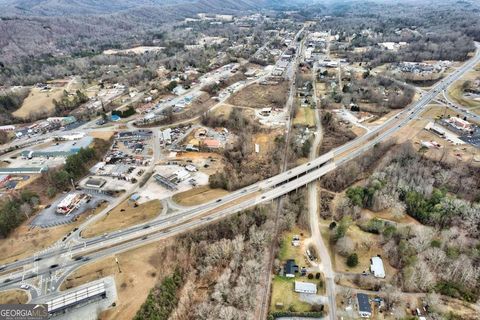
{"type": "Point", "coordinates": [25, 286]}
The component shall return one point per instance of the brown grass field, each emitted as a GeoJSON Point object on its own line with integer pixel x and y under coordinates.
{"type": "Point", "coordinates": [124, 215]}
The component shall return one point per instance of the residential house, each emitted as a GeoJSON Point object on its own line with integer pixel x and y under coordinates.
{"type": "Point", "coordinates": [290, 268]}
{"type": "Point", "coordinates": [364, 308]}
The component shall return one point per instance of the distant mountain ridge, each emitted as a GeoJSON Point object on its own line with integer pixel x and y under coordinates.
{"type": "Point", "coordinates": [37, 27]}
{"type": "Point", "coordinates": [95, 7]}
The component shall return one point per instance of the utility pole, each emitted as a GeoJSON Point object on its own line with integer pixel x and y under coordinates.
{"type": "Point", "coordinates": [118, 265]}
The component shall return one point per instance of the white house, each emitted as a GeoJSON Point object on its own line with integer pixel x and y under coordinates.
{"type": "Point", "coordinates": [376, 267]}
{"type": "Point", "coordinates": [305, 287]}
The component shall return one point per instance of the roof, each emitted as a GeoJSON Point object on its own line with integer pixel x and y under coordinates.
{"type": "Point", "coordinates": [363, 303]}
{"type": "Point", "coordinates": [212, 143]}
{"type": "Point", "coordinates": [377, 267]}
{"type": "Point", "coordinates": [290, 267]}
{"type": "Point", "coordinates": [305, 287]}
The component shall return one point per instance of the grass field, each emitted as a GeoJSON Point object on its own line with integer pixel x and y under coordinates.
{"type": "Point", "coordinates": [198, 196]}
{"type": "Point", "coordinates": [38, 102]}
{"type": "Point", "coordinates": [261, 96]}
{"type": "Point", "coordinates": [140, 271]}
{"type": "Point", "coordinates": [13, 297]}
{"type": "Point", "coordinates": [287, 251]}
{"type": "Point", "coordinates": [36, 239]}
{"type": "Point", "coordinates": [124, 215]}
{"type": "Point", "coordinates": [456, 94]}
{"type": "Point", "coordinates": [305, 117]}
{"type": "Point", "coordinates": [283, 292]}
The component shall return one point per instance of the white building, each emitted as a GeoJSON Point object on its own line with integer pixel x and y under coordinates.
{"type": "Point", "coordinates": [376, 267]}
{"type": "Point", "coordinates": [7, 128]}
{"type": "Point", "coordinates": [305, 287]}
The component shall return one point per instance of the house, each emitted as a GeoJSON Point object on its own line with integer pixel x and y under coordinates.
{"type": "Point", "coordinates": [305, 287]}
{"type": "Point", "coordinates": [376, 267]}
{"type": "Point", "coordinates": [364, 308]}
{"type": "Point", "coordinates": [290, 268]}
{"type": "Point", "coordinates": [266, 112]}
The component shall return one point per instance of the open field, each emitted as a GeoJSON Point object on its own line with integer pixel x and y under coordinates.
{"type": "Point", "coordinates": [305, 117]}
{"type": "Point", "coordinates": [13, 297]}
{"type": "Point", "coordinates": [266, 141]}
{"type": "Point", "coordinates": [104, 135]}
{"type": "Point", "coordinates": [39, 102]}
{"type": "Point", "coordinates": [124, 215]}
{"type": "Point", "coordinates": [456, 93]}
{"type": "Point", "coordinates": [283, 292]}
{"type": "Point", "coordinates": [288, 251]}
{"type": "Point", "coordinates": [198, 196]}
{"type": "Point", "coordinates": [366, 246]}
{"type": "Point", "coordinates": [139, 273]}
{"type": "Point", "coordinates": [261, 96]}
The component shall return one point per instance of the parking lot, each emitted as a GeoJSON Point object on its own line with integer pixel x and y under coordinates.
{"type": "Point", "coordinates": [49, 218]}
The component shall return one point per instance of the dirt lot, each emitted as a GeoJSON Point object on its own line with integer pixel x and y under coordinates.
{"type": "Point", "coordinates": [139, 274]}
{"type": "Point", "coordinates": [124, 215]}
{"type": "Point", "coordinates": [104, 135]}
{"type": "Point", "coordinates": [199, 159]}
{"type": "Point", "coordinates": [13, 297]}
{"type": "Point", "coordinates": [261, 96]}
{"type": "Point", "coordinates": [38, 102]}
{"type": "Point", "coordinates": [198, 196]}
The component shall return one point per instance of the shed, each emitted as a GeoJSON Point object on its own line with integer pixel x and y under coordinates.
{"type": "Point", "coordinates": [135, 197]}
{"type": "Point", "coordinates": [305, 287]}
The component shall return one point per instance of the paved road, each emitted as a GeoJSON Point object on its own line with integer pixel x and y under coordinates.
{"type": "Point", "coordinates": [270, 189]}
{"type": "Point", "coordinates": [322, 249]}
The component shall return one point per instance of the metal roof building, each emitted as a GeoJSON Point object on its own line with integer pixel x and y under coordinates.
{"type": "Point", "coordinates": [305, 287]}
{"type": "Point", "coordinates": [76, 297]}
{"type": "Point", "coordinates": [376, 266]}
{"type": "Point", "coordinates": [364, 308]}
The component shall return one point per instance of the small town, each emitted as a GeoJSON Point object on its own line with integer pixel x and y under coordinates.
{"type": "Point", "coordinates": [240, 160]}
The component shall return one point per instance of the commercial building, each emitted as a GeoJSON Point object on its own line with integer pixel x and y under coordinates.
{"type": "Point", "coordinates": [69, 203]}
{"type": "Point", "coordinates": [376, 267]}
{"type": "Point", "coordinates": [212, 144]}
{"type": "Point", "coordinates": [76, 297]}
{"type": "Point", "coordinates": [305, 287]}
{"type": "Point", "coordinates": [7, 128]}
{"type": "Point", "coordinates": [460, 124]}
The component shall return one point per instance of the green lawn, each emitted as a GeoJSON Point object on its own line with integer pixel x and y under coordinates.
{"type": "Point", "coordinates": [283, 292]}
{"type": "Point", "coordinates": [287, 251]}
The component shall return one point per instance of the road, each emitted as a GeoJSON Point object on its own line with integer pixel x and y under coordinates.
{"type": "Point", "coordinates": [325, 265]}
{"type": "Point", "coordinates": [195, 217]}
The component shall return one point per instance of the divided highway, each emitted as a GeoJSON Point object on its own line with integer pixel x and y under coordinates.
{"type": "Point", "coordinates": [195, 217]}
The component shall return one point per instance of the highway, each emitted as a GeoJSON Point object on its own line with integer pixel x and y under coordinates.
{"type": "Point", "coordinates": [195, 217]}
